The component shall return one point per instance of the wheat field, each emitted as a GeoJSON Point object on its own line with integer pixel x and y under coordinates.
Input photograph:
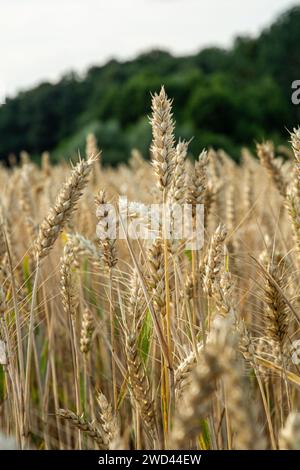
{"type": "Point", "coordinates": [136, 344]}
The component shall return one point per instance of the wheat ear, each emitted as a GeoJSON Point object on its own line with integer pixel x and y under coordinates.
{"type": "Point", "coordinates": [105, 225]}
{"type": "Point", "coordinates": [156, 278]}
{"type": "Point", "coordinates": [197, 399]}
{"type": "Point", "coordinates": [178, 187]}
{"type": "Point", "coordinates": [107, 420]}
{"type": "Point", "coordinates": [197, 186]}
{"type": "Point", "coordinates": [80, 423]}
{"type": "Point", "coordinates": [290, 434]}
{"type": "Point", "coordinates": [162, 149]}
{"type": "Point", "coordinates": [266, 155]}
{"type": "Point", "coordinates": [140, 385]}
{"type": "Point", "coordinates": [65, 204]}
{"type": "Point", "coordinates": [68, 280]}
{"type": "Point", "coordinates": [276, 313]}
{"type": "Point", "coordinates": [87, 329]}
{"type": "Point", "coordinates": [214, 259]}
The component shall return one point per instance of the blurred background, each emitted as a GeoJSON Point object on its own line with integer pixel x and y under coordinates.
{"type": "Point", "coordinates": [70, 67]}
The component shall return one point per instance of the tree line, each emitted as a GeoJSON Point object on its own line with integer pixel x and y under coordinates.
{"type": "Point", "coordinates": [224, 98]}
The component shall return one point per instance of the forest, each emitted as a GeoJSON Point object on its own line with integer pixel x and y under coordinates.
{"type": "Point", "coordinates": [224, 98]}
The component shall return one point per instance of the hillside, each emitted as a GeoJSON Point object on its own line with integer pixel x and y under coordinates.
{"type": "Point", "coordinates": [224, 98]}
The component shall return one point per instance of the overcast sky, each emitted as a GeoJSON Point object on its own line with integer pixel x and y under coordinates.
{"type": "Point", "coordinates": [42, 39]}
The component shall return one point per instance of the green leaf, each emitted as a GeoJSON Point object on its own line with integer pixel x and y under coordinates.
{"type": "Point", "coordinates": [144, 340]}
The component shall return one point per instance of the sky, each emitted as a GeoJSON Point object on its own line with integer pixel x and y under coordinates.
{"type": "Point", "coordinates": [43, 39]}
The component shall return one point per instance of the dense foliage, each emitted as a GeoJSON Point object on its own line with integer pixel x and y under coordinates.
{"type": "Point", "coordinates": [225, 98]}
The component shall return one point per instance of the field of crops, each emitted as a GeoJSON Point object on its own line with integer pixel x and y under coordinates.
{"type": "Point", "coordinates": [136, 343]}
